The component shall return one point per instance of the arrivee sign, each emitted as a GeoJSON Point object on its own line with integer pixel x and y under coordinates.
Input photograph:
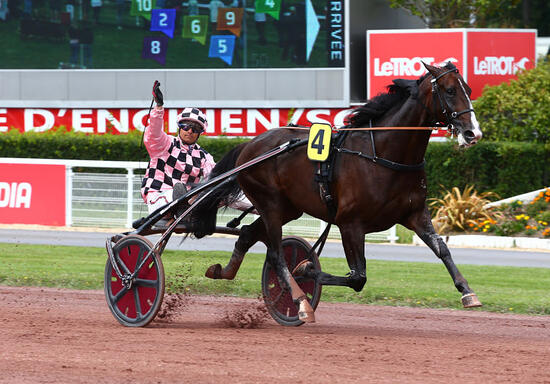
{"type": "Point", "coordinates": [32, 194]}
{"type": "Point", "coordinates": [483, 56]}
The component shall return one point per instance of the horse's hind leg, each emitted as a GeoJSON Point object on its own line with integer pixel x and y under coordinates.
{"type": "Point", "coordinates": [250, 235]}
{"type": "Point", "coordinates": [275, 212]}
{"type": "Point", "coordinates": [276, 260]}
{"type": "Point", "coordinates": [354, 248]}
{"type": "Point", "coordinates": [423, 227]}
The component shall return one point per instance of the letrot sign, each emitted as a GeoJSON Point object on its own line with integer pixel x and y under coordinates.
{"type": "Point", "coordinates": [483, 56]}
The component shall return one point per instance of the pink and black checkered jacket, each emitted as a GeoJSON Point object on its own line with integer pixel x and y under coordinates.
{"type": "Point", "coordinates": [171, 160]}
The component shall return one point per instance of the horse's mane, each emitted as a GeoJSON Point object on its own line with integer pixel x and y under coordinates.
{"type": "Point", "coordinates": [380, 104]}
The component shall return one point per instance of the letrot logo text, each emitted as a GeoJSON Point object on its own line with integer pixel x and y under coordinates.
{"type": "Point", "coordinates": [406, 66]}
{"type": "Point", "coordinates": [503, 65]}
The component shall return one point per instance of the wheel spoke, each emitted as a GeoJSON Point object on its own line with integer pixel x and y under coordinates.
{"type": "Point", "coordinates": [140, 256]}
{"type": "Point", "coordinates": [137, 303]}
{"type": "Point", "coordinates": [303, 279]}
{"type": "Point", "coordinates": [121, 262]}
{"type": "Point", "coordinates": [119, 295]}
{"type": "Point", "coordinates": [276, 300]}
{"type": "Point", "coordinates": [146, 283]}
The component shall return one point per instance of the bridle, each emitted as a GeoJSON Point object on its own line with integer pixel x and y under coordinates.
{"type": "Point", "coordinates": [450, 116]}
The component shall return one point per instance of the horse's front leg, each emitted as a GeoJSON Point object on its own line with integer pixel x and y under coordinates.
{"type": "Point", "coordinates": [250, 235]}
{"type": "Point", "coordinates": [421, 223]}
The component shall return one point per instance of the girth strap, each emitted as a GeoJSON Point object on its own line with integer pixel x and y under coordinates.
{"type": "Point", "coordinates": [325, 173]}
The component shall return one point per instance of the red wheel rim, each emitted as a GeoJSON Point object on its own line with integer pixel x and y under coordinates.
{"type": "Point", "coordinates": [281, 300]}
{"type": "Point", "coordinates": [127, 304]}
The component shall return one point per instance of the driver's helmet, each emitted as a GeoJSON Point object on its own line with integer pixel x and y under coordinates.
{"type": "Point", "coordinates": [193, 114]}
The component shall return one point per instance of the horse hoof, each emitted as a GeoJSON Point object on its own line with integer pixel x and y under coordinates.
{"type": "Point", "coordinates": [302, 268]}
{"type": "Point", "coordinates": [305, 312]}
{"type": "Point", "coordinates": [214, 272]}
{"type": "Point", "coordinates": [470, 300]}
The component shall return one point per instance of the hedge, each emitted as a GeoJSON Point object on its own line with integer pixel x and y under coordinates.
{"type": "Point", "coordinates": [517, 110]}
{"type": "Point", "coordinates": [60, 144]}
{"type": "Point", "coordinates": [505, 168]}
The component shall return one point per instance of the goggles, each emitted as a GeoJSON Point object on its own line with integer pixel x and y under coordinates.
{"type": "Point", "coordinates": [186, 125]}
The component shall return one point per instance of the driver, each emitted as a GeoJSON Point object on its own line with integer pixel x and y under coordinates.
{"type": "Point", "coordinates": [177, 162]}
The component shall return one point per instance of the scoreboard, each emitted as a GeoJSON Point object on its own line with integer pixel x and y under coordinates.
{"type": "Point", "coordinates": [306, 33]}
{"type": "Point", "coordinates": [208, 53]}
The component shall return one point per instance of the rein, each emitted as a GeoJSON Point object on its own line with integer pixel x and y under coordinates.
{"type": "Point", "coordinates": [335, 129]}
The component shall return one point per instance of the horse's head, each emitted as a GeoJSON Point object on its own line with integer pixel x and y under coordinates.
{"type": "Point", "coordinates": [452, 104]}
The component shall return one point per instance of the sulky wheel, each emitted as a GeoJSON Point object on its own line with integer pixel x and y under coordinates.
{"type": "Point", "coordinates": [134, 301]}
{"type": "Point", "coordinates": [278, 301]}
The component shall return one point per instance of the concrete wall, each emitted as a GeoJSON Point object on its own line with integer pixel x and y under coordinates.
{"type": "Point", "coordinates": [205, 88]}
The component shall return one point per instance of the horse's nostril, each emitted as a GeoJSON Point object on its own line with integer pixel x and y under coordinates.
{"type": "Point", "coordinates": [469, 135]}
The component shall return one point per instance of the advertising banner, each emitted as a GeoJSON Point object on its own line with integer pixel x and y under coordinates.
{"type": "Point", "coordinates": [400, 55]}
{"type": "Point", "coordinates": [227, 122]}
{"type": "Point", "coordinates": [483, 56]}
{"type": "Point", "coordinates": [32, 194]}
{"type": "Point", "coordinates": [495, 57]}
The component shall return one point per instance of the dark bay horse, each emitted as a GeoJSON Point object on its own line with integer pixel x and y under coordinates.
{"type": "Point", "coordinates": [369, 194]}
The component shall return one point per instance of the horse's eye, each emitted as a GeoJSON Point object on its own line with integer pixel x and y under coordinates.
{"type": "Point", "coordinates": [451, 91]}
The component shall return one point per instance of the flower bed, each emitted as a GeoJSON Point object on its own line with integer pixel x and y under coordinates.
{"type": "Point", "coordinates": [530, 219]}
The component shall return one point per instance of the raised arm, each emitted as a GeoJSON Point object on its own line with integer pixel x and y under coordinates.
{"type": "Point", "coordinates": [155, 139]}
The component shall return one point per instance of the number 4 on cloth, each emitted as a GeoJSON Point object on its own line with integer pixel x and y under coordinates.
{"type": "Point", "coordinates": [318, 146]}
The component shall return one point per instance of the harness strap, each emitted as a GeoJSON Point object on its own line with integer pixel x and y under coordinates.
{"type": "Point", "coordinates": [324, 176]}
{"type": "Point", "coordinates": [384, 162]}
{"type": "Point", "coordinates": [320, 242]}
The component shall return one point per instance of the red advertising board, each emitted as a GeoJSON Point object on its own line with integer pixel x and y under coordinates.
{"type": "Point", "coordinates": [483, 56]}
{"type": "Point", "coordinates": [227, 122]}
{"type": "Point", "coordinates": [394, 55]}
{"type": "Point", "coordinates": [32, 194]}
{"type": "Point", "coordinates": [496, 56]}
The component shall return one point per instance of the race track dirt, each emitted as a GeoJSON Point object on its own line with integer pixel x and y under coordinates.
{"type": "Point", "coordinates": [63, 336]}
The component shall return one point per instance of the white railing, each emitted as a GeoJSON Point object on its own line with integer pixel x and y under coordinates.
{"type": "Point", "coordinates": [113, 200]}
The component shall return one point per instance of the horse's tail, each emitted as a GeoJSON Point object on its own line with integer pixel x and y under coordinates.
{"type": "Point", "coordinates": [225, 193]}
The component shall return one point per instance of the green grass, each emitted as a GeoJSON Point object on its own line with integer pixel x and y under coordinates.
{"type": "Point", "coordinates": [501, 289]}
